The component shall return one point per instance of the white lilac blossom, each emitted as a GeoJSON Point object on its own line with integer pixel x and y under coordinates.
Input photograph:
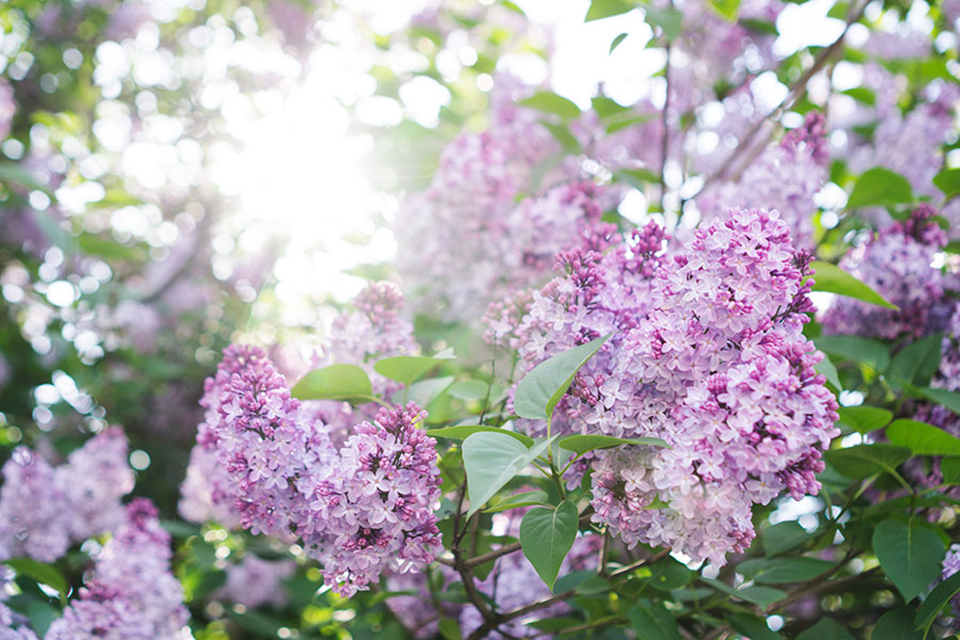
{"type": "Point", "coordinates": [897, 264]}
{"type": "Point", "coordinates": [709, 356]}
{"type": "Point", "coordinates": [364, 508]}
{"type": "Point", "coordinates": [131, 593]}
{"type": "Point", "coordinates": [44, 510]}
{"type": "Point", "coordinates": [254, 581]}
{"type": "Point", "coordinates": [785, 177]}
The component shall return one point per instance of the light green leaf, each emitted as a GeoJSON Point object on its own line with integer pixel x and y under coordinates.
{"type": "Point", "coordinates": [950, 468]}
{"type": "Point", "coordinates": [549, 102]}
{"type": "Point", "coordinates": [546, 536]}
{"type": "Point", "coordinates": [831, 278]}
{"type": "Point", "coordinates": [582, 444]}
{"type": "Point", "coordinates": [949, 399]}
{"type": "Point", "coordinates": [948, 181]}
{"type": "Point", "coordinates": [469, 390]}
{"type": "Point", "coordinates": [406, 369]}
{"type": "Point", "coordinates": [425, 391]}
{"type": "Point", "coordinates": [865, 419]}
{"type": "Point", "coordinates": [464, 431]}
{"type": "Point", "coordinates": [41, 572]}
{"type": "Point", "coordinates": [605, 8]}
{"type": "Point", "coordinates": [865, 460]}
{"type": "Point", "coordinates": [539, 392]}
{"type": "Point", "coordinates": [783, 570]}
{"type": "Point", "coordinates": [450, 629]}
{"type": "Point", "coordinates": [922, 438]}
{"type": "Point", "coordinates": [517, 500]}
{"type": "Point", "coordinates": [880, 187]}
{"type": "Point", "coordinates": [669, 19]}
{"type": "Point", "coordinates": [826, 367]}
{"type": "Point", "coordinates": [616, 43]}
{"type": "Point", "coordinates": [728, 9]}
{"type": "Point", "coordinates": [492, 460]}
{"type": "Point", "coordinates": [337, 382]}
{"type": "Point", "coordinates": [561, 132]}
{"type": "Point", "coordinates": [909, 554]}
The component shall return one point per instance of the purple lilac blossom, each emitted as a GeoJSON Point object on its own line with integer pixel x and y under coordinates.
{"type": "Point", "coordinates": [709, 356]}
{"type": "Point", "coordinates": [254, 581]}
{"type": "Point", "coordinates": [131, 593]}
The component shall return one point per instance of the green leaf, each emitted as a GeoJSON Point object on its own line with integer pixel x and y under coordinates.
{"type": "Point", "coordinates": [922, 438]}
{"type": "Point", "coordinates": [862, 94]}
{"type": "Point", "coordinates": [517, 500]}
{"type": "Point", "coordinates": [41, 572]}
{"type": "Point", "coordinates": [782, 536]}
{"type": "Point", "coordinates": [897, 625]}
{"type": "Point", "coordinates": [865, 460]}
{"type": "Point", "coordinates": [94, 245]}
{"type": "Point", "coordinates": [605, 8]}
{"type": "Point", "coordinates": [492, 460]}
{"type": "Point", "coordinates": [336, 382]}
{"type": "Point", "coordinates": [616, 43]}
{"type": "Point", "coordinates": [668, 574]}
{"type": "Point", "coordinates": [938, 598]}
{"type": "Point", "coordinates": [833, 279]}
{"type": "Point", "coordinates": [406, 369]}
{"type": "Point", "coordinates": [637, 178]}
{"type": "Point", "coordinates": [948, 181]}
{"type": "Point", "coordinates": [607, 107]}
{"type": "Point", "coordinates": [827, 368]}
{"type": "Point", "coordinates": [728, 9]}
{"type": "Point", "coordinates": [826, 629]}
{"type": "Point", "coordinates": [582, 444]}
{"type": "Point", "coordinates": [549, 102]}
{"type": "Point", "coordinates": [865, 419]}
{"type": "Point", "coordinates": [783, 570]}
{"type": "Point", "coordinates": [880, 187]}
{"type": "Point", "coordinates": [469, 390]}
{"type": "Point", "coordinates": [909, 554]}
{"type": "Point", "coordinates": [863, 350]}
{"type": "Point", "coordinates": [546, 536]}
{"type": "Point", "coordinates": [465, 431]}
{"type": "Point", "coordinates": [949, 399]}
{"type": "Point", "coordinates": [450, 629]}
{"type": "Point", "coordinates": [669, 19]}
{"type": "Point", "coordinates": [751, 626]}
{"type": "Point", "coordinates": [561, 132]}
{"type": "Point", "coordinates": [917, 362]}
{"type": "Point", "coordinates": [539, 392]}
{"type": "Point", "coordinates": [756, 594]}
{"type": "Point", "coordinates": [950, 468]}
{"type": "Point", "coordinates": [425, 391]}
{"type": "Point", "coordinates": [654, 623]}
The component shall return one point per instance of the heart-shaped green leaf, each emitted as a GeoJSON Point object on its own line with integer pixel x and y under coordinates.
{"type": "Point", "coordinates": [546, 536]}
{"type": "Point", "coordinates": [910, 555]}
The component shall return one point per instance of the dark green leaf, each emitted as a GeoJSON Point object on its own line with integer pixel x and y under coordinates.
{"type": "Point", "coordinates": [783, 570]}
{"type": "Point", "coordinates": [654, 623]}
{"type": "Point", "coordinates": [880, 187]}
{"type": "Point", "coordinates": [917, 362]}
{"type": "Point", "coordinates": [922, 438]}
{"type": "Point", "coordinates": [668, 574]}
{"type": "Point", "coordinates": [909, 554]}
{"type": "Point", "coordinates": [546, 536]}
{"type": "Point", "coordinates": [833, 279]}
{"type": "Point", "coordinates": [782, 536]}
{"type": "Point", "coordinates": [950, 468]}
{"type": "Point", "coordinates": [491, 461]}
{"type": "Point", "coordinates": [616, 43]}
{"type": "Point", "coordinates": [865, 419]}
{"type": "Point", "coordinates": [336, 382]}
{"type": "Point", "coordinates": [582, 444]}
{"type": "Point", "coordinates": [865, 460]}
{"type": "Point", "coordinates": [826, 629]}
{"type": "Point", "coordinates": [752, 626]}
{"type": "Point", "coordinates": [463, 431]}
{"type": "Point", "coordinates": [41, 572]}
{"type": "Point", "coordinates": [863, 350]}
{"type": "Point", "coordinates": [543, 387]}
{"type": "Point", "coordinates": [938, 598]}
{"type": "Point", "coordinates": [897, 625]}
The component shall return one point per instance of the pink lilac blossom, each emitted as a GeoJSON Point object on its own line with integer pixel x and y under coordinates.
{"type": "Point", "coordinates": [44, 510]}
{"type": "Point", "coordinates": [131, 593]}
{"type": "Point", "coordinates": [785, 177]}
{"type": "Point", "coordinates": [709, 356]}
{"type": "Point", "coordinates": [897, 264]}
{"type": "Point", "coordinates": [254, 581]}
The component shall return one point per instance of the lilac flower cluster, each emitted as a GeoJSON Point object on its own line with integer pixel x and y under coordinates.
{"type": "Point", "coordinates": [43, 510]}
{"type": "Point", "coordinates": [897, 264]}
{"type": "Point", "coordinates": [131, 593]}
{"type": "Point", "coordinates": [709, 356]}
{"type": "Point", "coordinates": [254, 581]}
{"type": "Point", "coordinates": [951, 565]}
{"type": "Point", "coordinates": [360, 509]}
{"type": "Point", "coordinates": [785, 177]}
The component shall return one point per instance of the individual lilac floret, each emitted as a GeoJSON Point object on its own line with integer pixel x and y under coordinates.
{"type": "Point", "coordinates": [897, 265]}
{"type": "Point", "coordinates": [374, 509]}
{"type": "Point", "coordinates": [255, 581]}
{"type": "Point", "coordinates": [131, 592]}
